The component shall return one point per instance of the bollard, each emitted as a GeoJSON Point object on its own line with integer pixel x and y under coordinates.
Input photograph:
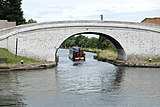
{"type": "Point", "coordinates": [22, 61]}
{"type": "Point", "coordinates": [150, 60]}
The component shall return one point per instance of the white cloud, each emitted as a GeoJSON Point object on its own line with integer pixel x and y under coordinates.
{"type": "Point", "coordinates": [126, 10]}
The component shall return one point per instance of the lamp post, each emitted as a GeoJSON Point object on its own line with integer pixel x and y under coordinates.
{"type": "Point", "coordinates": [101, 17]}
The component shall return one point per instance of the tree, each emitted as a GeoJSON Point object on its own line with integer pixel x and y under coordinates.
{"type": "Point", "coordinates": [103, 42]}
{"type": "Point", "coordinates": [92, 43]}
{"type": "Point", "coordinates": [31, 21]}
{"type": "Point", "coordinates": [11, 10]}
{"type": "Point", "coordinates": [81, 40]}
{"type": "Point", "coordinates": [1, 9]}
{"type": "Point", "coordinates": [70, 42]}
{"type": "Point", "coordinates": [85, 42]}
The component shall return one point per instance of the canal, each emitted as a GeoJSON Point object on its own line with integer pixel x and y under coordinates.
{"type": "Point", "coordinates": [87, 84]}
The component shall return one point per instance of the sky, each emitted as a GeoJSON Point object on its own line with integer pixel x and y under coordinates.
{"type": "Point", "coordinates": [112, 10]}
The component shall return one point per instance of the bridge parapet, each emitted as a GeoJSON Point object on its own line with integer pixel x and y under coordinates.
{"type": "Point", "coordinates": [80, 23]}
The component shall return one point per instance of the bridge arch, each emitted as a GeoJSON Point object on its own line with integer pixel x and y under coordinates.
{"type": "Point", "coordinates": [40, 41]}
{"type": "Point", "coordinates": [121, 55]}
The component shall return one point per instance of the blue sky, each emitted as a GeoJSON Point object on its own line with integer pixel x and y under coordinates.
{"type": "Point", "coordinates": [112, 10]}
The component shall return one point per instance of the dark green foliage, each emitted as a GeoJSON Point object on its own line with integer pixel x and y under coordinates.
{"type": "Point", "coordinates": [31, 21]}
{"type": "Point", "coordinates": [11, 10]}
{"type": "Point", "coordinates": [103, 43]}
{"type": "Point", "coordinates": [68, 43]}
{"type": "Point", "coordinates": [85, 42]}
{"type": "Point", "coordinates": [1, 9]}
{"type": "Point", "coordinates": [92, 43]}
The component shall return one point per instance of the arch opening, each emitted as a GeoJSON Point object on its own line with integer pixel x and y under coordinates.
{"type": "Point", "coordinates": [121, 55]}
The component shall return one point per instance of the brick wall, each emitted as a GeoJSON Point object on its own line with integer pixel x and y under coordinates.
{"type": "Point", "coordinates": [152, 20]}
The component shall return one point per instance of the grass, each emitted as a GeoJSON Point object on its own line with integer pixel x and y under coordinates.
{"type": "Point", "coordinates": [12, 59]}
{"type": "Point", "coordinates": [109, 54]}
{"type": "Point", "coordinates": [90, 50]}
{"type": "Point", "coordinates": [153, 60]}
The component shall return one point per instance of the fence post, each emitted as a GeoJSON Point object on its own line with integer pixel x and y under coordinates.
{"type": "Point", "coordinates": [16, 47]}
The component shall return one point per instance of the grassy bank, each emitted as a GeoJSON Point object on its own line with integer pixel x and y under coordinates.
{"type": "Point", "coordinates": [153, 60]}
{"type": "Point", "coordinates": [12, 59]}
{"type": "Point", "coordinates": [109, 54]}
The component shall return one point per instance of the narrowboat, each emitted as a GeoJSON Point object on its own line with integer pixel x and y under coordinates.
{"type": "Point", "coordinates": [76, 54]}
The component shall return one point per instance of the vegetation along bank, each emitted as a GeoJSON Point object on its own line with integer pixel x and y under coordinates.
{"type": "Point", "coordinates": [10, 62]}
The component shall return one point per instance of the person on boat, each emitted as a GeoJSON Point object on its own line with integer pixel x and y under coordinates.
{"type": "Point", "coordinates": [77, 49]}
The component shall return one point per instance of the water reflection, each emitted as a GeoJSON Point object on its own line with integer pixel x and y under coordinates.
{"type": "Point", "coordinates": [119, 75]}
{"type": "Point", "coordinates": [77, 63]}
{"type": "Point", "coordinates": [9, 90]}
{"type": "Point", "coordinates": [87, 77]}
{"type": "Point", "coordinates": [111, 82]}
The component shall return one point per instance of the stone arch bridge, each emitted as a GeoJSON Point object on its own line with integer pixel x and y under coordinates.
{"type": "Point", "coordinates": [42, 40]}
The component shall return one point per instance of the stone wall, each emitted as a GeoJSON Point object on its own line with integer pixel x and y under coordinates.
{"type": "Point", "coordinates": [42, 40]}
{"type": "Point", "coordinates": [5, 24]}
